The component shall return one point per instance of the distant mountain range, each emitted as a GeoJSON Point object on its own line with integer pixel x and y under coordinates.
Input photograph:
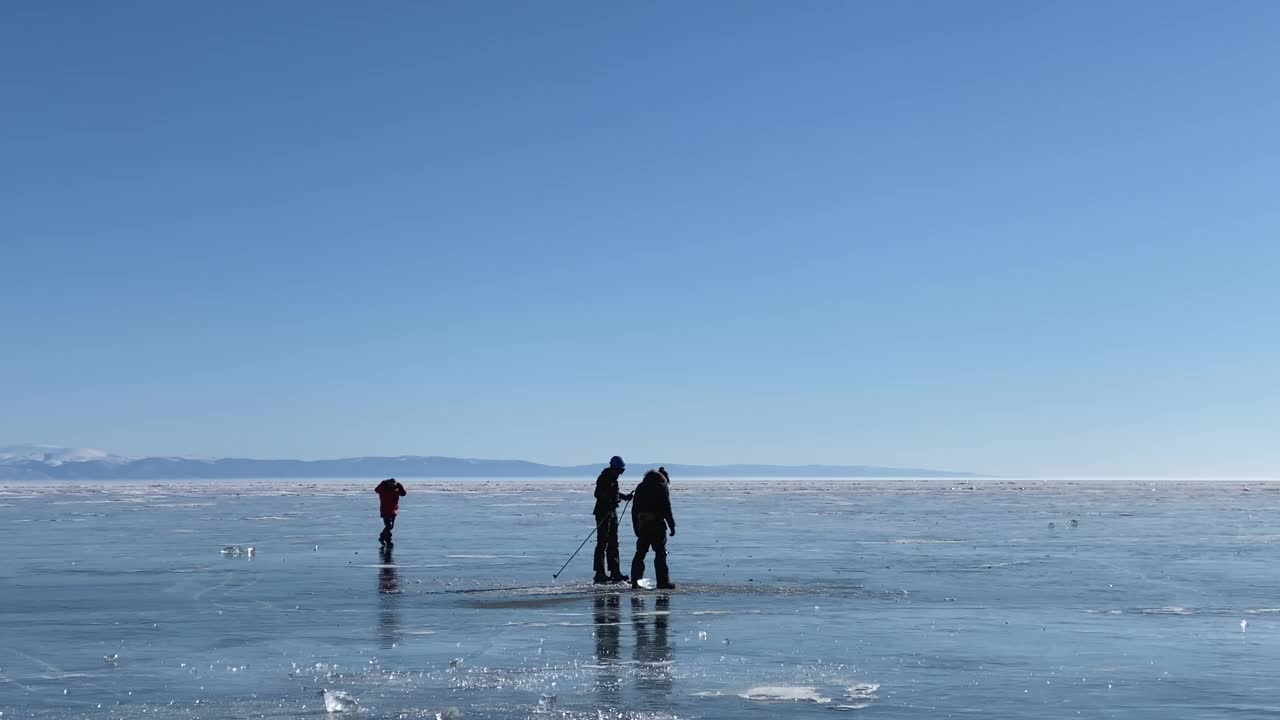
{"type": "Point", "coordinates": [44, 462]}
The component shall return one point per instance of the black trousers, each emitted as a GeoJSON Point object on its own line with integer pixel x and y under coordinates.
{"type": "Point", "coordinates": [388, 522]}
{"type": "Point", "coordinates": [651, 536]}
{"type": "Point", "coordinates": [607, 544]}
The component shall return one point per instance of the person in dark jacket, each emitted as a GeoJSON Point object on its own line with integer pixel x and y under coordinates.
{"type": "Point", "coordinates": [650, 518]}
{"type": "Point", "coordinates": [606, 513]}
{"type": "Point", "coordinates": [389, 493]}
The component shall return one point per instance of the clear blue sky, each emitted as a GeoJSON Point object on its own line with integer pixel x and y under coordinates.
{"type": "Point", "coordinates": [1013, 237]}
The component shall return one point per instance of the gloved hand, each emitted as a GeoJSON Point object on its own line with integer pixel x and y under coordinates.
{"type": "Point", "coordinates": [673, 531]}
{"type": "Point", "coordinates": [628, 496]}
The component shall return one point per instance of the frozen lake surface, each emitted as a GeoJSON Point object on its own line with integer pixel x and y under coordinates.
{"type": "Point", "coordinates": [886, 599]}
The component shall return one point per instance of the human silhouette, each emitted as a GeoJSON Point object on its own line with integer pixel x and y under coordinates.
{"type": "Point", "coordinates": [650, 518]}
{"type": "Point", "coordinates": [389, 493]}
{"type": "Point", "coordinates": [606, 514]}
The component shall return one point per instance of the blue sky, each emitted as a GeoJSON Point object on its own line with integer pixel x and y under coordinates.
{"type": "Point", "coordinates": [998, 236]}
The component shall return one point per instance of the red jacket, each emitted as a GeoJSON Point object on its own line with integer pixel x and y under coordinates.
{"type": "Point", "coordinates": [389, 494]}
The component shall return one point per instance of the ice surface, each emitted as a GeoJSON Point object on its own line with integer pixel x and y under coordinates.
{"type": "Point", "coordinates": [796, 599]}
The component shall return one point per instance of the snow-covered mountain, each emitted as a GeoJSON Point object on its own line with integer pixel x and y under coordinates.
{"type": "Point", "coordinates": [53, 456]}
{"type": "Point", "coordinates": [43, 462]}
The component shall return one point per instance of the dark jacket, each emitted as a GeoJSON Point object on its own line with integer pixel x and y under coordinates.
{"type": "Point", "coordinates": [652, 505]}
{"type": "Point", "coordinates": [389, 494]}
{"type": "Point", "coordinates": [607, 494]}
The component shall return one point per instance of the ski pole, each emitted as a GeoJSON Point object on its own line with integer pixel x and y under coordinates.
{"type": "Point", "coordinates": [556, 574]}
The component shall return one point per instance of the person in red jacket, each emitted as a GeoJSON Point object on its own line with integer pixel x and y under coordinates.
{"type": "Point", "coordinates": [389, 493]}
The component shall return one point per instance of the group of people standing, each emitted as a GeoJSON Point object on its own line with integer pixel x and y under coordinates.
{"type": "Point", "coordinates": [650, 519]}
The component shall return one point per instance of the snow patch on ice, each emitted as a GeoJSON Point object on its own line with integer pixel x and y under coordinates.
{"type": "Point", "coordinates": [862, 691]}
{"type": "Point", "coordinates": [785, 693]}
{"type": "Point", "coordinates": [340, 701]}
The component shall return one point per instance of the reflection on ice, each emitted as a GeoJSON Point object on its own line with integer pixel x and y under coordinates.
{"type": "Point", "coordinates": [607, 617]}
{"type": "Point", "coordinates": [652, 647]}
{"type": "Point", "coordinates": [388, 600]}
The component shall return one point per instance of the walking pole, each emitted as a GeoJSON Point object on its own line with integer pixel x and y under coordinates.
{"type": "Point", "coordinates": [556, 574]}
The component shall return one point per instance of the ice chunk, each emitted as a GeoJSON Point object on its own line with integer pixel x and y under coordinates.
{"type": "Point", "coordinates": [231, 550]}
{"type": "Point", "coordinates": [862, 691]}
{"type": "Point", "coordinates": [455, 663]}
{"type": "Point", "coordinates": [785, 693]}
{"type": "Point", "coordinates": [112, 660]}
{"type": "Point", "coordinates": [336, 701]}
{"type": "Point", "coordinates": [547, 703]}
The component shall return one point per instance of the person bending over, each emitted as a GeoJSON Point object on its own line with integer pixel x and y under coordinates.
{"type": "Point", "coordinates": [650, 518]}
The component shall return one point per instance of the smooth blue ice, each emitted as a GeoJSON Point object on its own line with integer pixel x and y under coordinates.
{"type": "Point", "coordinates": [888, 599]}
